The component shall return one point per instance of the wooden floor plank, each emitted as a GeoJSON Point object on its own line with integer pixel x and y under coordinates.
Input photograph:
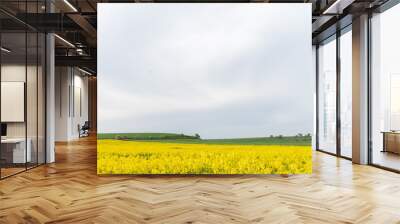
{"type": "Point", "coordinates": [69, 191]}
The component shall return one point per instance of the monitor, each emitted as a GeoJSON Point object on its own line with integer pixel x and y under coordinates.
{"type": "Point", "coordinates": [3, 129]}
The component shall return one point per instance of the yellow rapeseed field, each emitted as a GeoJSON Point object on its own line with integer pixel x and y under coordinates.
{"type": "Point", "coordinates": [135, 157]}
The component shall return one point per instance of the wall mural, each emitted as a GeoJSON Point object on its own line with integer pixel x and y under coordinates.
{"type": "Point", "coordinates": [204, 89]}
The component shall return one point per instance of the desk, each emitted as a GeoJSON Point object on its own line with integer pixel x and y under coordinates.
{"type": "Point", "coordinates": [391, 141]}
{"type": "Point", "coordinates": [13, 150]}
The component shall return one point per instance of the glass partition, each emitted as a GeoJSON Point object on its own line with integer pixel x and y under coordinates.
{"type": "Point", "coordinates": [41, 91]}
{"type": "Point", "coordinates": [32, 95]}
{"type": "Point", "coordinates": [22, 89]}
{"type": "Point", "coordinates": [14, 153]}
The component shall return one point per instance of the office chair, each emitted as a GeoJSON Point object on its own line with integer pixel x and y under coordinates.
{"type": "Point", "coordinates": [84, 130]}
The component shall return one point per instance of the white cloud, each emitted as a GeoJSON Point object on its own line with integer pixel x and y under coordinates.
{"type": "Point", "coordinates": [176, 67]}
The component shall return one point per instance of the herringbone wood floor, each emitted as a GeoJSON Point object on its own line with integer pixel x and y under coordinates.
{"type": "Point", "coordinates": [69, 191]}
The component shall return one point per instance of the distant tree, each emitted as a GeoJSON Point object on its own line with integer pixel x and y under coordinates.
{"type": "Point", "coordinates": [271, 136]}
{"type": "Point", "coordinates": [280, 136]}
{"type": "Point", "coordinates": [197, 136]}
{"type": "Point", "coordinates": [121, 137]}
{"type": "Point", "coordinates": [299, 135]}
{"type": "Point", "coordinates": [308, 135]}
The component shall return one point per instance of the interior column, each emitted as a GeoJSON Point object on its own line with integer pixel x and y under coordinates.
{"type": "Point", "coordinates": [50, 92]}
{"type": "Point", "coordinates": [360, 90]}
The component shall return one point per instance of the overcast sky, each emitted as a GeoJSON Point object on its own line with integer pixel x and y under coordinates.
{"type": "Point", "coordinates": [220, 70]}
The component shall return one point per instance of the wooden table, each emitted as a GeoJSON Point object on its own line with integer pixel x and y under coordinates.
{"type": "Point", "coordinates": [391, 141]}
{"type": "Point", "coordinates": [13, 150]}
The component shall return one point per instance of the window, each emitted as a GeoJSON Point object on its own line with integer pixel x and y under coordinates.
{"type": "Point", "coordinates": [327, 96]}
{"type": "Point", "coordinates": [346, 93]}
{"type": "Point", "coordinates": [385, 89]}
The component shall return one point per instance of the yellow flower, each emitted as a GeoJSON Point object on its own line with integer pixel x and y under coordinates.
{"type": "Point", "coordinates": [134, 157]}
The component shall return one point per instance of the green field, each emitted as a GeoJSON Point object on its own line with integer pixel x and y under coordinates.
{"type": "Point", "coordinates": [144, 136]}
{"type": "Point", "coordinates": [180, 138]}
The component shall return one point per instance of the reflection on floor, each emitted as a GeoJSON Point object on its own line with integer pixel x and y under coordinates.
{"type": "Point", "coordinates": [8, 170]}
{"type": "Point", "coordinates": [387, 159]}
{"type": "Point", "coordinates": [70, 191]}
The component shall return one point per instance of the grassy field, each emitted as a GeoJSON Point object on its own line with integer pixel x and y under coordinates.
{"type": "Point", "coordinates": [286, 155]}
{"type": "Point", "coordinates": [144, 136]}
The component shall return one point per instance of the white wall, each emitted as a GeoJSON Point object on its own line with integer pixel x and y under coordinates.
{"type": "Point", "coordinates": [62, 82]}
{"type": "Point", "coordinates": [70, 83]}
{"type": "Point", "coordinates": [14, 72]}
{"type": "Point", "coordinates": [80, 110]}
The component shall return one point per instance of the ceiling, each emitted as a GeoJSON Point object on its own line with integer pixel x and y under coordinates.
{"type": "Point", "coordinates": [75, 21]}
